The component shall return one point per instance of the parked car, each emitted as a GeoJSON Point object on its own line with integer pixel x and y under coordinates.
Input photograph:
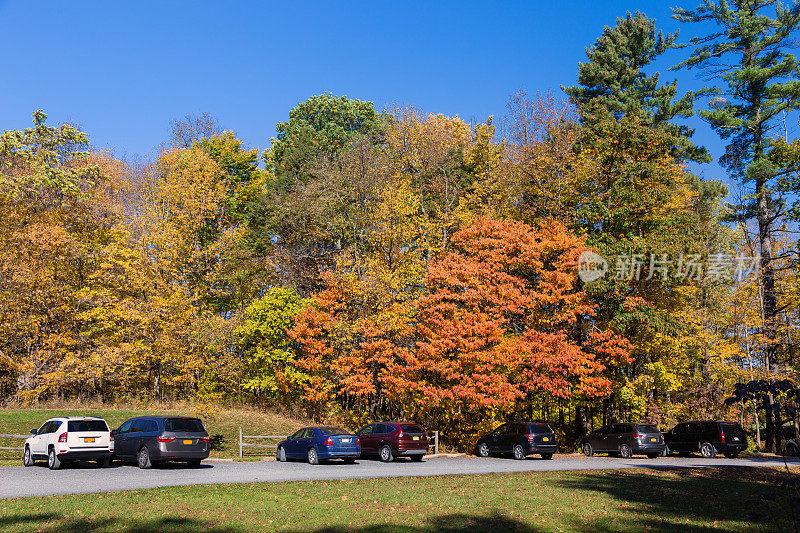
{"type": "Point", "coordinates": [64, 439]}
{"type": "Point", "coordinates": [151, 440]}
{"type": "Point", "coordinates": [316, 444]}
{"type": "Point", "coordinates": [708, 437]}
{"type": "Point", "coordinates": [520, 439]}
{"type": "Point", "coordinates": [625, 440]}
{"type": "Point", "coordinates": [388, 440]}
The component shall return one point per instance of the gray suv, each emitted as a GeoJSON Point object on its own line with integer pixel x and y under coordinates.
{"type": "Point", "coordinates": [151, 440]}
{"type": "Point", "coordinates": [625, 440]}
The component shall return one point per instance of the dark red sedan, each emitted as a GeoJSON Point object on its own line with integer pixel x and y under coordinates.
{"type": "Point", "coordinates": [388, 440]}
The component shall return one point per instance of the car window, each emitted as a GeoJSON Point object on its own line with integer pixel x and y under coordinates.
{"type": "Point", "coordinates": [138, 425]}
{"type": "Point", "coordinates": [327, 432]}
{"type": "Point", "coordinates": [87, 425]}
{"type": "Point", "coordinates": [150, 426]}
{"type": "Point", "coordinates": [54, 425]}
{"type": "Point", "coordinates": [647, 428]}
{"type": "Point", "coordinates": [736, 428]}
{"type": "Point", "coordinates": [412, 428]}
{"type": "Point", "coordinates": [44, 428]}
{"type": "Point", "coordinates": [125, 427]}
{"type": "Point", "coordinates": [298, 434]}
{"type": "Point", "coordinates": [388, 428]}
{"type": "Point", "coordinates": [502, 429]}
{"type": "Point", "coordinates": [539, 428]}
{"type": "Point", "coordinates": [694, 427]}
{"type": "Point", "coordinates": [711, 427]}
{"type": "Point", "coordinates": [366, 430]}
{"type": "Point", "coordinates": [187, 425]}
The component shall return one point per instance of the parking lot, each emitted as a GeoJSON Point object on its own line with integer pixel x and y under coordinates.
{"type": "Point", "coordinates": [86, 478]}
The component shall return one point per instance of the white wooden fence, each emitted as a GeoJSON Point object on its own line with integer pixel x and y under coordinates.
{"type": "Point", "coordinates": [432, 435]}
{"type": "Point", "coordinates": [6, 436]}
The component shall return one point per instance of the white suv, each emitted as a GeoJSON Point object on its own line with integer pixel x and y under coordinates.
{"type": "Point", "coordinates": [63, 439]}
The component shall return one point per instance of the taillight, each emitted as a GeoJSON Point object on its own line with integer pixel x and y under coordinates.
{"type": "Point", "coordinates": [205, 439]}
{"type": "Point", "coordinates": [638, 436]}
{"type": "Point", "coordinates": [531, 437]}
{"type": "Point", "coordinates": [62, 437]}
{"type": "Point", "coordinates": [358, 441]}
{"type": "Point", "coordinates": [722, 437]}
{"type": "Point", "coordinates": [165, 439]}
{"type": "Point", "coordinates": [329, 442]}
{"type": "Point", "coordinates": [111, 437]}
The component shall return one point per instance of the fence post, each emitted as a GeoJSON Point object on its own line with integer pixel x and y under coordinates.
{"type": "Point", "coordinates": [240, 443]}
{"type": "Point", "coordinates": [436, 442]}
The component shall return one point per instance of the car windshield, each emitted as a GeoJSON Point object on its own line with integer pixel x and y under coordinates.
{"type": "Point", "coordinates": [647, 428]}
{"type": "Point", "coordinates": [333, 431]}
{"type": "Point", "coordinates": [540, 428]}
{"type": "Point", "coordinates": [185, 425]}
{"type": "Point", "coordinates": [86, 425]}
{"type": "Point", "coordinates": [412, 428]}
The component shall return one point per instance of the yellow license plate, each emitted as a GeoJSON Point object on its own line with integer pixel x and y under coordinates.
{"type": "Point", "coordinates": [653, 440]}
{"type": "Point", "coordinates": [187, 441]}
{"type": "Point", "coordinates": [88, 439]}
{"type": "Point", "coordinates": [414, 438]}
{"type": "Point", "coordinates": [546, 439]}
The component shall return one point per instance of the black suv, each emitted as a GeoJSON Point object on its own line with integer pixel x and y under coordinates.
{"type": "Point", "coordinates": [625, 440]}
{"type": "Point", "coordinates": [519, 439]}
{"type": "Point", "coordinates": [707, 437]}
{"type": "Point", "coordinates": [154, 439]}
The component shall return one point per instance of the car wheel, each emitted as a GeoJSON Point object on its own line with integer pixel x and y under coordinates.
{"type": "Point", "coordinates": [519, 452]}
{"type": "Point", "coordinates": [416, 458]}
{"type": "Point", "coordinates": [385, 453]}
{"type": "Point", "coordinates": [143, 458]}
{"type": "Point", "coordinates": [53, 462]}
{"type": "Point", "coordinates": [547, 456]}
{"type": "Point", "coordinates": [193, 463]}
{"type": "Point", "coordinates": [665, 453]}
{"type": "Point", "coordinates": [707, 450]}
{"type": "Point", "coordinates": [313, 458]}
{"type": "Point", "coordinates": [104, 462]}
{"type": "Point", "coordinates": [587, 449]}
{"type": "Point", "coordinates": [483, 449]}
{"type": "Point", "coordinates": [625, 451]}
{"type": "Point", "coordinates": [281, 455]}
{"type": "Point", "coordinates": [27, 458]}
{"type": "Point", "coordinates": [732, 455]}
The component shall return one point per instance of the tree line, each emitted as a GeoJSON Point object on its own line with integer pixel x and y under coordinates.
{"type": "Point", "coordinates": [396, 264]}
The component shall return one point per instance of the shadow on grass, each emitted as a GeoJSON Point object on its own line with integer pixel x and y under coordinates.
{"type": "Point", "coordinates": [52, 522]}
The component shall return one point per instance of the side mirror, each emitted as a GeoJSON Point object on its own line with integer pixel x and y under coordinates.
{"type": "Point", "coordinates": [33, 432]}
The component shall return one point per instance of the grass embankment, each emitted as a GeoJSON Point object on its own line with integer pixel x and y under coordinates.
{"type": "Point", "coordinates": [612, 500]}
{"type": "Point", "coordinates": [223, 425]}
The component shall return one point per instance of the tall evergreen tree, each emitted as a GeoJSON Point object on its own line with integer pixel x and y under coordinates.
{"type": "Point", "coordinates": [614, 78]}
{"type": "Point", "coordinates": [757, 83]}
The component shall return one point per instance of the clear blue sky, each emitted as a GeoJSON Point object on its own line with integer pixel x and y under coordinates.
{"type": "Point", "coordinates": [123, 71]}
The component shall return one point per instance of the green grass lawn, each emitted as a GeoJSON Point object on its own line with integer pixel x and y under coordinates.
{"type": "Point", "coordinates": [223, 426]}
{"type": "Point", "coordinates": [699, 500]}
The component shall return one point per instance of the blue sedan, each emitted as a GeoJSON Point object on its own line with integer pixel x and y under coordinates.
{"type": "Point", "coordinates": [317, 444]}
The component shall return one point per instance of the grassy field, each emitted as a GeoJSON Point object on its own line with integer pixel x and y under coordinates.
{"type": "Point", "coordinates": [223, 425]}
{"type": "Point", "coordinates": [700, 500]}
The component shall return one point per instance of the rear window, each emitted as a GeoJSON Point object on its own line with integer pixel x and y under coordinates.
{"type": "Point", "coordinates": [540, 428]}
{"type": "Point", "coordinates": [736, 428]}
{"type": "Point", "coordinates": [86, 425]}
{"type": "Point", "coordinates": [326, 432]}
{"type": "Point", "coordinates": [412, 428]}
{"type": "Point", "coordinates": [187, 425]}
{"type": "Point", "coordinates": [647, 428]}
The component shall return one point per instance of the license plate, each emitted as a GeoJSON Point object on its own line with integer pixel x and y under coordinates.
{"type": "Point", "coordinates": [414, 438]}
{"type": "Point", "coordinates": [735, 438]}
{"type": "Point", "coordinates": [346, 440]}
{"type": "Point", "coordinates": [88, 439]}
{"type": "Point", "coordinates": [653, 440]}
{"type": "Point", "coordinates": [187, 441]}
{"type": "Point", "coordinates": [546, 439]}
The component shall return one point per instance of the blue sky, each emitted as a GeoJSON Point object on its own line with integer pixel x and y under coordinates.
{"type": "Point", "coordinates": [123, 71]}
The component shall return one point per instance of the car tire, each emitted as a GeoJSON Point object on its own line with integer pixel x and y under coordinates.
{"type": "Point", "coordinates": [53, 463]}
{"type": "Point", "coordinates": [665, 453]}
{"type": "Point", "coordinates": [104, 462]}
{"type": "Point", "coordinates": [483, 449]}
{"type": "Point", "coordinates": [587, 449]}
{"type": "Point", "coordinates": [27, 457]}
{"type": "Point", "coordinates": [313, 457]}
{"type": "Point", "coordinates": [281, 455]}
{"type": "Point", "coordinates": [707, 450]}
{"type": "Point", "coordinates": [519, 452]}
{"type": "Point", "coordinates": [625, 451]}
{"type": "Point", "coordinates": [547, 456]}
{"type": "Point", "coordinates": [385, 453]}
{"type": "Point", "coordinates": [731, 455]}
{"type": "Point", "coordinates": [416, 458]}
{"type": "Point", "coordinates": [143, 458]}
